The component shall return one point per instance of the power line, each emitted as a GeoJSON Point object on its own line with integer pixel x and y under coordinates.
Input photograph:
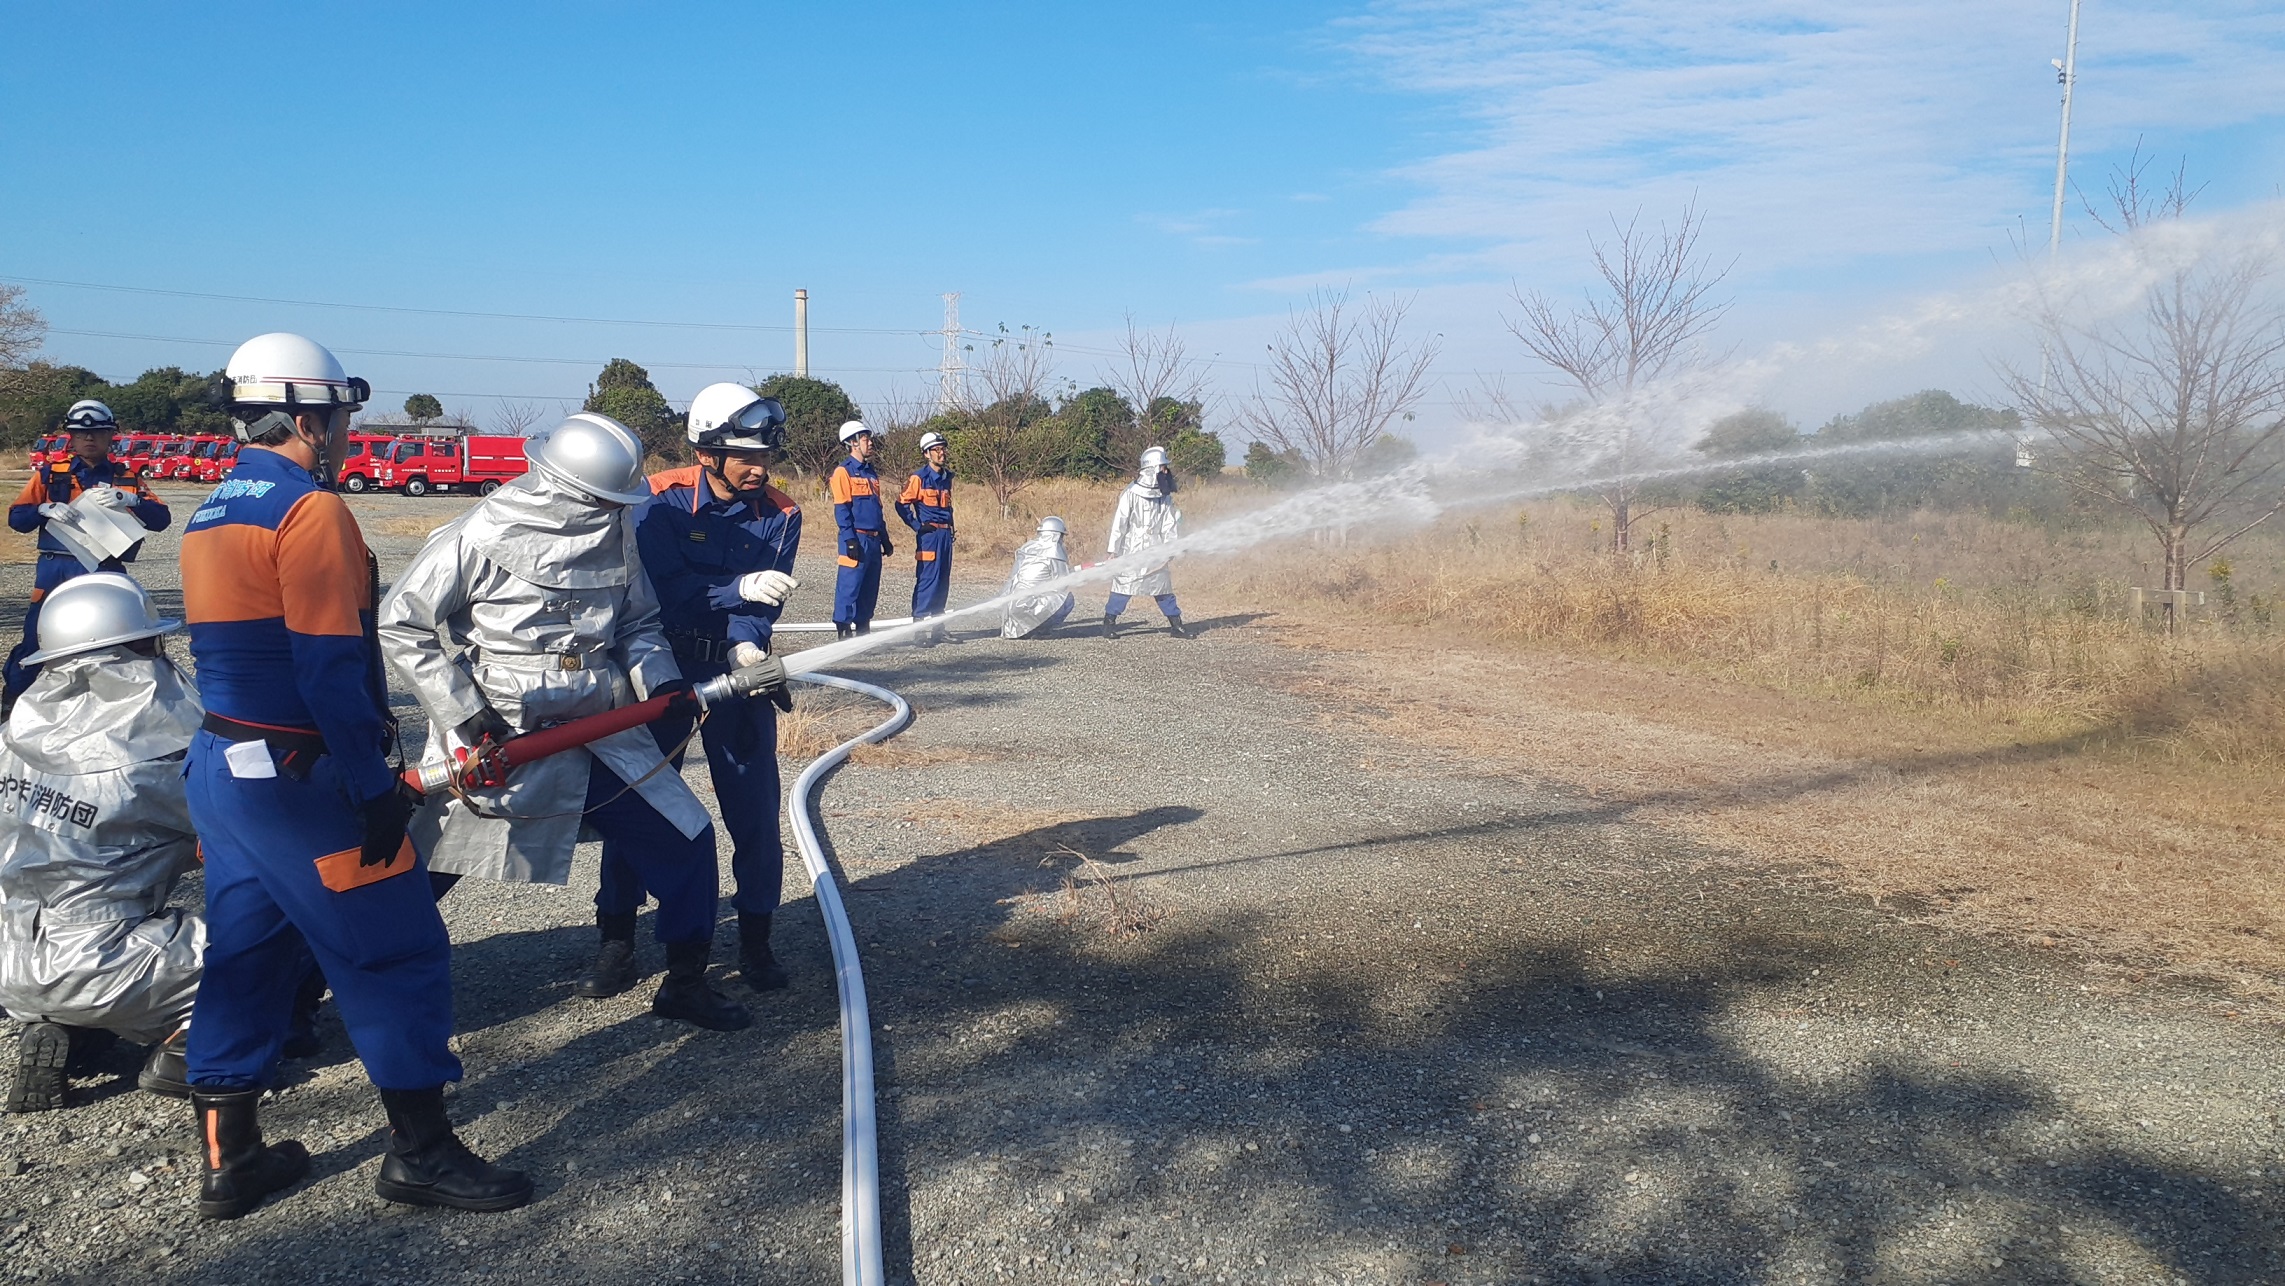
{"type": "Point", "coordinates": [452, 312]}
{"type": "Point", "coordinates": [474, 357]}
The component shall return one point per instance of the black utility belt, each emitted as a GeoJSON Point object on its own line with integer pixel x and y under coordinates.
{"type": "Point", "coordinates": [699, 647]}
{"type": "Point", "coordinates": [296, 748]}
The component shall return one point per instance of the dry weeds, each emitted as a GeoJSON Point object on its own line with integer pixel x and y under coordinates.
{"type": "Point", "coordinates": [2060, 775]}
{"type": "Point", "coordinates": [1092, 895]}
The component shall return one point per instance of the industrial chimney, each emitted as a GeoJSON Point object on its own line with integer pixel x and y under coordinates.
{"type": "Point", "coordinates": [801, 332]}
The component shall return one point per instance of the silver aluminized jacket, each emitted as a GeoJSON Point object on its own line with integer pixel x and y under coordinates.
{"type": "Point", "coordinates": [1146, 516]}
{"type": "Point", "coordinates": [94, 832]}
{"type": "Point", "coordinates": [535, 603]}
{"type": "Point", "coordinates": [1040, 560]}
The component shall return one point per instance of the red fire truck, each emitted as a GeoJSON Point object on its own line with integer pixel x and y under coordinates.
{"type": "Point", "coordinates": [478, 463]}
{"type": "Point", "coordinates": [48, 448]}
{"type": "Point", "coordinates": [209, 463]}
{"type": "Point", "coordinates": [183, 466]}
{"type": "Point", "coordinates": [361, 468]}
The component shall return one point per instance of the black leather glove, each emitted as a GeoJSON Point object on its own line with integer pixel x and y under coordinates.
{"type": "Point", "coordinates": [485, 723]}
{"type": "Point", "coordinates": [679, 688]}
{"type": "Point", "coordinates": [851, 549]}
{"type": "Point", "coordinates": [385, 818]}
{"type": "Point", "coordinates": [886, 547]}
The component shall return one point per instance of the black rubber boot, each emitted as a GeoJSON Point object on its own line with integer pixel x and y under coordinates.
{"type": "Point", "coordinates": [428, 1165]}
{"type": "Point", "coordinates": [843, 629]}
{"type": "Point", "coordinates": [684, 995]}
{"type": "Point", "coordinates": [1175, 627]}
{"type": "Point", "coordinates": [240, 1168]}
{"type": "Point", "coordinates": [756, 965]}
{"type": "Point", "coordinates": [41, 1084]}
{"type": "Point", "coordinates": [614, 969]}
{"type": "Point", "coordinates": [1110, 627]}
{"type": "Point", "coordinates": [302, 1040]}
{"type": "Point", "coordinates": [166, 1073]}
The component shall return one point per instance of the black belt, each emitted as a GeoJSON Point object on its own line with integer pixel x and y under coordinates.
{"type": "Point", "coordinates": [296, 748]}
{"type": "Point", "coordinates": [699, 647]}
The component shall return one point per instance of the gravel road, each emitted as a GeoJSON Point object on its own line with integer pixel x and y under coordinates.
{"type": "Point", "coordinates": [1178, 977]}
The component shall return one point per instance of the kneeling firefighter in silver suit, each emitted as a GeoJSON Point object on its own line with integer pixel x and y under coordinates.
{"type": "Point", "coordinates": [1040, 560]}
{"type": "Point", "coordinates": [531, 609]}
{"type": "Point", "coordinates": [95, 832]}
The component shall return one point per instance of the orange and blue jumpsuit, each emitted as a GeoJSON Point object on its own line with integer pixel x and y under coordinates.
{"type": "Point", "coordinates": [60, 482]}
{"type": "Point", "coordinates": [696, 549]}
{"type": "Point", "coordinates": [926, 507]}
{"type": "Point", "coordinates": [856, 491]}
{"type": "Point", "coordinates": [278, 589]}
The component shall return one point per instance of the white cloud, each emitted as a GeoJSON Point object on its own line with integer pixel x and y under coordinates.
{"type": "Point", "coordinates": [1811, 133]}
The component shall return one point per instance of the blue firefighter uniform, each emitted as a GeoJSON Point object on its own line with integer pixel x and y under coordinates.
{"type": "Point", "coordinates": [695, 548]}
{"type": "Point", "coordinates": [60, 483]}
{"type": "Point", "coordinates": [856, 491]}
{"type": "Point", "coordinates": [278, 591]}
{"type": "Point", "coordinates": [926, 507]}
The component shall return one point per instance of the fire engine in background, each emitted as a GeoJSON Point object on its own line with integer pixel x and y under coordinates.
{"type": "Point", "coordinates": [183, 465]}
{"type": "Point", "coordinates": [208, 467]}
{"type": "Point", "coordinates": [48, 448]}
{"type": "Point", "coordinates": [361, 467]}
{"type": "Point", "coordinates": [478, 463]}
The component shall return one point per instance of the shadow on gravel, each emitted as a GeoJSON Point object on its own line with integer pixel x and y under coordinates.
{"type": "Point", "coordinates": [1364, 1100]}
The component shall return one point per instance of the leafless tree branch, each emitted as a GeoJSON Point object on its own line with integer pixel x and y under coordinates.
{"type": "Point", "coordinates": [1339, 374]}
{"type": "Point", "coordinates": [22, 329]}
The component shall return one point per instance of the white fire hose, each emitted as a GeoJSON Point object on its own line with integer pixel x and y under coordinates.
{"type": "Point", "coordinates": [860, 1145]}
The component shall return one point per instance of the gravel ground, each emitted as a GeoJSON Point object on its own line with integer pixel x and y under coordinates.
{"type": "Point", "coordinates": [1177, 977]}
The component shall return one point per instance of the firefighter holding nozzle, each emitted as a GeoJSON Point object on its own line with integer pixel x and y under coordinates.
{"type": "Point", "coordinates": [1146, 518]}
{"type": "Point", "coordinates": [532, 609]}
{"type": "Point", "coordinates": [718, 542]}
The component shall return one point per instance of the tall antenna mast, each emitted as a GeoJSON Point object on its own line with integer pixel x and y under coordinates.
{"type": "Point", "coordinates": [951, 372]}
{"type": "Point", "coordinates": [2068, 69]}
{"type": "Point", "coordinates": [801, 333]}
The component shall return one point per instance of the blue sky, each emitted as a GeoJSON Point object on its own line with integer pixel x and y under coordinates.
{"type": "Point", "coordinates": [1191, 164]}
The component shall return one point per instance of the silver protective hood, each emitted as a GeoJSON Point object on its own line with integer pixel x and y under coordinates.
{"type": "Point", "coordinates": [1146, 517]}
{"type": "Point", "coordinates": [101, 710]}
{"type": "Point", "coordinates": [1040, 560]}
{"type": "Point", "coordinates": [550, 535]}
{"type": "Point", "coordinates": [534, 604]}
{"type": "Point", "coordinates": [94, 831]}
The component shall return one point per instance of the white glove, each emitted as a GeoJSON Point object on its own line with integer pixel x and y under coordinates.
{"type": "Point", "coordinates": [53, 510]}
{"type": "Point", "coordinates": [745, 654]}
{"type": "Point", "coordinates": [770, 589]}
{"type": "Point", "coordinates": [112, 497]}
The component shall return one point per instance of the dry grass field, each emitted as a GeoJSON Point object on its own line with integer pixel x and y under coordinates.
{"type": "Point", "coordinates": [1940, 709]}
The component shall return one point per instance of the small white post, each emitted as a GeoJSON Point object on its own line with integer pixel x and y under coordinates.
{"type": "Point", "coordinates": [801, 332]}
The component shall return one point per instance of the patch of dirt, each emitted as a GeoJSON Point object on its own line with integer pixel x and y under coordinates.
{"type": "Point", "coordinates": [2141, 865]}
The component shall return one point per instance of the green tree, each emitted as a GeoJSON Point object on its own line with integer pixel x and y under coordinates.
{"type": "Point", "coordinates": [624, 392]}
{"type": "Point", "coordinates": [1275, 468]}
{"type": "Point", "coordinates": [33, 398]}
{"type": "Point", "coordinates": [815, 410]}
{"type": "Point", "coordinates": [1978, 472]}
{"type": "Point", "coordinates": [423, 407]}
{"type": "Point", "coordinates": [1760, 488]}
{"type": "Point", "coordinates": [1097, 427]}
{"type": "Point", "coordinates": [1197, 453]}
{"type": "Point", "coordinates": [1388, 453]}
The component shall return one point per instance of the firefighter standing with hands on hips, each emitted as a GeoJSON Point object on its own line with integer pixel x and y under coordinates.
{"type": "Point", "coordinates": [856, 491]}
{"type": "Point", "coordinates": [926, 507]}
{"type": "Point", "coordinates": [88, 427]}
{"type": "Point", "coordinates": [532, 609]}
{"type": "Point", "coordinates": [718, 542]}
{"type": "Point", "coordinates": [299, 813]}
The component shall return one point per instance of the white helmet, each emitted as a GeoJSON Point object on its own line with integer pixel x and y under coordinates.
{"type": "Point", "coordinates": [282, 369]}
{"type": "Point", "coordinates": [1154, 459]}
{"type": "Point", "coordinates": [593, 455]}
{"type": "Point", "coordinates": [928, 440]}
{"type": "Point", "coordinates": [851, 428]}
{"type": "Point", "coordinates": [732, 417]}
{"type": "Point", "coordinates": [89, 416]}
{"type": "Point", "coordinates": [1051, 526]}
{"type": "Point", "coordinates": [93, 611]}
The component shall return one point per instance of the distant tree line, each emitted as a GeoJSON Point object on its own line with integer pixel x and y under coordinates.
{"type": "Point", "coordinates": [164, 399]}
{"type": "Point", "coordinates": [1976, 470]}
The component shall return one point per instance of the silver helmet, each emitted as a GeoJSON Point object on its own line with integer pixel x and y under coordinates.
{"type": "Point", "coordinates": [97, 610]}
{"type": "Point", "coordinates": [1051, 526]}
{"type": "Point", "coordinates": [593, 455]}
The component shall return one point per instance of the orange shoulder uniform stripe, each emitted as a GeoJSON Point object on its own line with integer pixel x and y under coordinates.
{"type": "Point", "coordinates": [35, 492]}
{"type": "Point", "coordinates": [841, 486]}
{"type": "Point", "coordinates": [687, 476]}
{"type": "Point", "coordinates": [229, 573]}
{"type": "Point", "coordinates": [321, 567]}
{"type": "Point", "coordinates": [784, 502]}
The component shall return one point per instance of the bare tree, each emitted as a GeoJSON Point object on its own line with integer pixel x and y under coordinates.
{"type": "Point", "coordinates": [1152, 366]}
{"type": "Point", "coordinates": [21, 327]}
{"type": "Point", "coordinates": [1640, 325]}
{"type": "Point", "coordinates": [516, 419]}
{"type": "Point", "coordinates": [2130, 204]}
{"type": "Point", "coordinates": [1008, 444]}
{"type": "Point", "coordinates": [2174, 412]}
{"type": "Point", "coordinates": [1339, 375]}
